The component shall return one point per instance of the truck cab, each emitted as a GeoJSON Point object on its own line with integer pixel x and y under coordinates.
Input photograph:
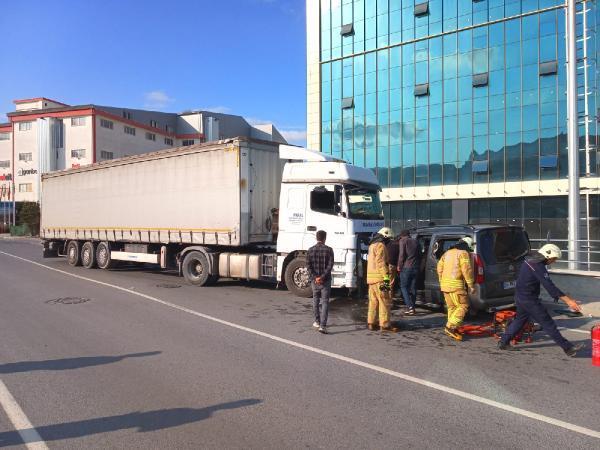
{"type": "Point", "coordinates": [322, 193]}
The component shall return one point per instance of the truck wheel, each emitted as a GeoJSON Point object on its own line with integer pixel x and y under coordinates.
{"type": "Point", "coordinates": [195, 269]}
{"type": "Point", "coordinates": [103, 256]}
{"type": "Point", "coordinates": [88, 255]}
{"type": "Point", "coordinates": [297, 278]}
{"type": "Point", "coordinates": [73, 255]}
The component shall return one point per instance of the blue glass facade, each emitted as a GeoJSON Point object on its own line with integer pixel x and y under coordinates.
{"type": "Point", "coordinates": [466, 92]}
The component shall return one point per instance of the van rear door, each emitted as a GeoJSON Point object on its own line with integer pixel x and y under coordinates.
{"type": "Point", "coordinates": [502, 251]}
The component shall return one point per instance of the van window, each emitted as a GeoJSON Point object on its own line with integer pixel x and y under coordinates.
{"type": "Point", "coordinates": [443, 245]}
{"type": "Point", "coordinates": [502, 245]}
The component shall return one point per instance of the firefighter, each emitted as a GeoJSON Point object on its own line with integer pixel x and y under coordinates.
{"type": "Point", "coordinates": [379, 280]}
{"type": "Point", "coordinates": [454, 271]}
{"type": "Point", "coordinates": [532, 275]}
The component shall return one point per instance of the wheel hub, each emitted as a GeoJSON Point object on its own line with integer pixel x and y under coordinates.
{"type": "Point", "coordinates": [301, 277]}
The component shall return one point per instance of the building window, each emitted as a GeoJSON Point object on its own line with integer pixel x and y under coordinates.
{"type": "Point", "coordinates": [25, 157]}
{"type": "Point", "coordinates": [480, 79]}
{"type": "Point", "coordinates": [4, 136]}
{"type": "Point", "coordinates": [106, 124]}
{"type": "Point", "coordinates": [106, 155]}
{"type": "Point", "coordinates": [168, 141]}
{"type": "Point", "coordinates": [5, 164]}
{"type": "Point", "coordinates": [77, 121]}
{"type": "Point", "coordinates": [187, 142]}
{"type": "Point", "coordinates": [25, 126]}
{"type": "Point", "coordinates": [348, 102]}
{"type": "Point", "coordinates": [26, 187]}
{"type": "Point", "coordinates": [78, 153]}
{"type": "Point", "coordinates": [421, 8]}
{"type": "Point", "coordinates": [421, 89]}
{"type": "Point", "coordinates": [150, 136]}
{"type": "Point", "coordinates": [153, 124]}
{"type": "Point", "coordinates": [168, 128]}
{"type": "Point", "coordinates": [129, 130]}
{"type": "Point", "coordinates": [548, 67]}
{"type": "Point", "coordinates": [347, 29]}
{"type": "Point", "coordinates": [126, 115]}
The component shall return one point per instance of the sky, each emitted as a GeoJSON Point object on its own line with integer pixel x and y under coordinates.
{"type": "Point", "coordinates": [244, 57]}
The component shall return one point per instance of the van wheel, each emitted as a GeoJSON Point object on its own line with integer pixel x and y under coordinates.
{"type": "Point", "coordinates": [103, 256]}
{"type": "Point", "coordinates": [297, 278]}
{"type": "Point", "coordinates": [73, 255]}
{"type": "Point", "coordinates": [88, 255]}
{"type": "Point", "coordinates": [195, 269]}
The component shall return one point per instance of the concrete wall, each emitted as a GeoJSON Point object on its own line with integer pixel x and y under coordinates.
{"type": "Point", "coordinates": [6, 155]}
{"type": "Point", "coordinates": [313, 76]}
{"type": "Point", "coordinates": [76, 138]}
{"type": "Point", "coordinates": [122, 144]}
{"type": "Point", "coordinates": [26, 172]}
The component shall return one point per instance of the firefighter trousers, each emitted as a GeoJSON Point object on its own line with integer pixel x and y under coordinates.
{"type": "Point", "coordinates": [457, 304]}
{"type": "Point", "coordinates": [534, 310]}
{"type": "Point", "coordinates": [379, 301]}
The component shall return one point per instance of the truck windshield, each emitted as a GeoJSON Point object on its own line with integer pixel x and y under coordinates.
{"type": "Point", "coordinates": [364, 204]}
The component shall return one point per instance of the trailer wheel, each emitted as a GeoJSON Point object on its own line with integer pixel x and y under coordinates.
{"type": "Point", "coordinates": [297, 278]}
{"type": "Point", "coordinates": [88, 255]}
{"type": "Point", "coordinates": [73, 255]}
{"type": "Point", "coordinates": [195, 269]}
{"type": "Point", "coordinates": [103, 256]}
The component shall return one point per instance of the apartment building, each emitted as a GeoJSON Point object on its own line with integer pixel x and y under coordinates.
{"type": "Point", "coordinates": [45, 135]}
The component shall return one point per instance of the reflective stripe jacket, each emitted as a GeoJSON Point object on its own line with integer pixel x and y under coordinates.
{"type": "Point", "coordinates": [377, 263]}
{"type": "Point", "coordinates": [454, 269]}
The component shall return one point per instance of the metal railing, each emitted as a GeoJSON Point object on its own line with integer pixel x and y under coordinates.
{"type": "Point", "coordinates": [588, 257]}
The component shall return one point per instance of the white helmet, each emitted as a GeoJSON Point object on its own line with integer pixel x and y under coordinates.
{"type": "Point", "coordinates": [550, 251]}
{"type": "Point", "coordinates": [468, 240]}
{"type": "Point", "coordinates": [386, 232]}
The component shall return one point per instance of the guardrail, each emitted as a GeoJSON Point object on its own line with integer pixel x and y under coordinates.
{"type": "Point", "coordinates": [588, 257]}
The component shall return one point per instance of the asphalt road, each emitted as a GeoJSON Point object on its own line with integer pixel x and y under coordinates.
{"type": "Point", "coordinates": [159, 364]}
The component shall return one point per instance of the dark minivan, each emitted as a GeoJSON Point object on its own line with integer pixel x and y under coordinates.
{"type": "Point", "coordinates": [498, 255]}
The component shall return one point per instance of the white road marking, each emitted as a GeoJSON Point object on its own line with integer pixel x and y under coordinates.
{"type": "Point", "coordinates": [28, 433]}
{"type": "Point", "coordinates": [438, 387]}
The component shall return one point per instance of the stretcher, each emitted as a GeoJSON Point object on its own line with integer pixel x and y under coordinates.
{"type": "Point", "coordinates": [498, 326]}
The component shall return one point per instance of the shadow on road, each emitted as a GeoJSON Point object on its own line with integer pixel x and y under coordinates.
{"type": "Point", "coordinates": [142, 421]}
{"type": "Point", "coordinates": [68, 363]}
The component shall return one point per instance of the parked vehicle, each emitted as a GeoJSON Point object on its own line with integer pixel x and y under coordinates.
{"type": "Point", "coordinates": [498, 255]}
{"type": "Point", "coordinates": [232, 208]}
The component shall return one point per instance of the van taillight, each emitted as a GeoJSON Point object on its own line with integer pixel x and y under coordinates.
{"type": "Point", "coordinates": [479, 277]}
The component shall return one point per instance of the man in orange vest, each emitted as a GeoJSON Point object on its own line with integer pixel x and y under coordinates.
{"type": "Point", "coordinates": [454, 271]}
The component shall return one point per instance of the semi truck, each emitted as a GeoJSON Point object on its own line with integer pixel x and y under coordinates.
{"type": "Point", "coordinates": [238, 208]}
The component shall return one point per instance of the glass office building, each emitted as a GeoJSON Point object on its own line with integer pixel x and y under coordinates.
{"type": "Point", "coordinates": [459, 106]}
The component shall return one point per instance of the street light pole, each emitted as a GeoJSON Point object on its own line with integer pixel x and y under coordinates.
{"type": "Point", "coordinates": [573, 138]}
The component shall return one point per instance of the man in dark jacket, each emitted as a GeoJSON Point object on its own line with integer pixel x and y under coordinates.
{"type": "Point", "coordinates": [407, 267]}
{"type": "Point", "coordinates": [393, 248]}
{"type": "Point", "coordinates": [532, 275]}
{"type": "Point", "coordinates": [320, 264]}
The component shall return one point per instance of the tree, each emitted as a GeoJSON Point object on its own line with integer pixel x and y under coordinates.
{"type": "Point", "coordinates": [30, 215]}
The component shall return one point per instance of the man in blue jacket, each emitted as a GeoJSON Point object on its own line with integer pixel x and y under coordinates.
{"type": "Point", "coordinates": [532, 275]}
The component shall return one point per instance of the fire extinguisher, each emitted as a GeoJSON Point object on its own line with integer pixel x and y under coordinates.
{"type": "Point", "coordinates": [596, 345]}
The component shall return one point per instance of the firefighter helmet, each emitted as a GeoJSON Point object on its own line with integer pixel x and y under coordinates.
{"type": "Point", "coordinates": [550, 251]}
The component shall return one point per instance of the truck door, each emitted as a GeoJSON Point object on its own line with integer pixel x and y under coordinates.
{"type": "Point", "coordinates": [324, 212]}
{"type": "Point", "coordinates": [438, 246]}
{"type": "Point", "coordinates": [291, 217]}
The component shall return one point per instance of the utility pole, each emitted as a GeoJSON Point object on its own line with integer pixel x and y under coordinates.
{"type": "Point", "coordinates": [573, 138]}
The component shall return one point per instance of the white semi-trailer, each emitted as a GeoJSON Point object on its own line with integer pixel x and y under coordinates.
{"type": "Point", "coordinates": [238, 208]}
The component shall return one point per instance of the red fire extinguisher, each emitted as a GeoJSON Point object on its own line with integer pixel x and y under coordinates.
{"type": "Point", "coordinates": [596, 345]}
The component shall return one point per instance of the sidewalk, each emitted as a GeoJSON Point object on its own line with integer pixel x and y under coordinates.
{"type": "Point", "coordinates": [582, 286]}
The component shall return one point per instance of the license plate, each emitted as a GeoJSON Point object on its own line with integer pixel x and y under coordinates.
{"type": "Point", "coordinates": [509, 284]}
